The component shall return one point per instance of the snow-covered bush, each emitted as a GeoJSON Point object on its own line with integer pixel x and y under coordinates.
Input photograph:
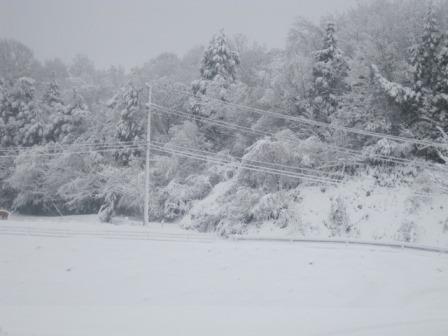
{"type": "Point", "coordinates": [270, 206]}
{"type": "Point", "coordinates": [218, 172]}
{"type": "Point", "coordinates": [339, 222]}
{"type": "Point", "coordinates": [186, 136]}
{"type": "Point", "coordinates": [29, 179]}
{"type": "Point", "coordinates": [122, 189]}
{"type": "Point", "coordinates": [280, 160]}
{"type": "Point", "coordinates": [227, 210]}
{"type": "Point", "coordinates": [407, 232]}
{"type": "Point", "coordinates": [165, 169]}
{"type": "Point", "coordinates": [178, 195]}
{"type": "Point", "coordinates": [391, 176]}
{"type": "Point", "coordinates": [236, 211]}
{"type": "Point", "coordinates": [268, 154]}
{"type": "Point", "coordinates": [107, 210]}
{"type": "Point", "coordinates": [385, 147]}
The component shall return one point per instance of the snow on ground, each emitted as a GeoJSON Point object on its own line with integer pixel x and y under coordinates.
{"type": "Point", "coordinates": [86, 280]}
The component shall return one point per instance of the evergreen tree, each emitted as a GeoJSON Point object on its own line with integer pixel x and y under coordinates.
{"type": "Point", "coordinates": [52, 95]}
{"type": "Point", "coordinates": [219, 60]}
{"type": "Point", "coordinates": [218, 65]}
{"type": "Point", "coordinates": [442, 73]}
{"type": "Point", "coordinates": [424, 106]}
{"type": "Point", "coordinates": [19, 115]}
{"type": "Point", "coordinates": [426, 53]}
{"type": "Point", "coordinates": [130, 127]}
{"type": "Point", "coordinates": [218, 80]}
{"type": "Point", "coordinates": [329, 73]}
{"type": "Point", "coordinates": [65, 123]}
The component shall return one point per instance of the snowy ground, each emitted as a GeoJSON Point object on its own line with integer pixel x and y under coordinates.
{"type": "Point", "coordinates": [82, 278]}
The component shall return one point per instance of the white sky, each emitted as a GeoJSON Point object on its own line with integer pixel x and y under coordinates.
{"type": "Point", "coordinates": [130, 32]}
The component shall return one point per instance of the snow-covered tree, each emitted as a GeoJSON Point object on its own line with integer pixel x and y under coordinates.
{"type": "Point", "coordinates": [217, 84]}
{"type": "Point", "coordinates": [64, 122]}
{"type": "Point", "coordinates": [424, 105]}
{"type": "Point", "coordinates": [425, 54]}
{"type": "Point", "coordinates": [52, 95]}
{"type": "Point", "coordinates": [130, 128]}
{"type": "Point", "coordinates": [442, 74]}
{"type": "Point", "coordinates": [19, 115]}
{"type": "Point", "coordinates": [82, 67]}
{"type": "Point", "coordinates": [16, 60]}
{"type": "Point", "coordinates": [219, 59]}
{"type": "Point", "coordinates": [329, 77]}
{"type": "Point", "coordinates": [218, 65]}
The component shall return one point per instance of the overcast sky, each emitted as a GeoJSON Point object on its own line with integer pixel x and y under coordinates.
{"type": "Point", "coordinates": [130, 32]}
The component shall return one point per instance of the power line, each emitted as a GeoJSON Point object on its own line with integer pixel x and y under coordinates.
{"type": "Point", "coordinates": [352, 152]}
{"type": "Point", "coordinates": [264, 170]}
{"type": "Point", "coordinates": [106, 150]}
{"type": "Point", "coordinates": [247, 160]}
{"type": "Point", "coordinates": [246, 166]}
{"type": "Point", "coordinates": [311, 122]}
{"type": "Point", "coordinates": [81, 144]}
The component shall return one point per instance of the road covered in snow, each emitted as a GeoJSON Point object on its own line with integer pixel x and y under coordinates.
{"type": "Point", "coordinates": [78, 277]}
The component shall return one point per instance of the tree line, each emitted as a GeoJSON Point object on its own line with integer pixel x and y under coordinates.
{"type": "Point", "coordinates": [71, 136]}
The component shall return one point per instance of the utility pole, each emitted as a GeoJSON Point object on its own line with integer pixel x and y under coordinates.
{"type": "Point", "coordinates": [148, 153]}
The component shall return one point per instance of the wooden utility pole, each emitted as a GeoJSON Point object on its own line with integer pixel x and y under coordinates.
{"type": "Point", "coordinates": [148, 153]}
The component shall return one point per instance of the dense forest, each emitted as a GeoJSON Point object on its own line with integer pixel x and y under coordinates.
{"type": "Point", "coordinates": [241, 134]}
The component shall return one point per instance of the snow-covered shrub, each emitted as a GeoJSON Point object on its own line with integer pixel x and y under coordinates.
{"type": "Point", "coordinates": [227, 210]}
{"type": "Point", "coordinates": [186, 136]}
{"type": "Point", "coordinates": [29, 179]}
{"type": "Point", "coordinates": [236, 211]}
{"type": "Point", "coordinates": [268, 154]}
{"type": "Point", "coordinates": [78, 180]}
{"type": "Point", "coordinates": [339, 221]}
{"type": "Point", "coordinates": [407, 232]}
{"type": "Point", "coordinates": [156, 204]}
{"type": "Point", "coordinates": [122, 189]}
{"type": "Point", "coordinates": [270, 207]}
{"type": "Point", "coordinates": [392, 176]}
{"type": "Point", "coordinates": [7, 193]}
{"type": "Point", "coordinates": [165, 169]}
{"type": "Point", "coordinates": [282, 157]}
{"type": "Point", "coordinates": [176, 200]}
{"type": "Point", "coordinates": [218, 172]}
{"type": "Point", "coordinates": [385, 148]}
{"type": "Point", "coordinates": [107, 210]}
{"type": "Point", "coordinates": [204, 222]}
{"type": "Point", "coordinates": [178, 195]}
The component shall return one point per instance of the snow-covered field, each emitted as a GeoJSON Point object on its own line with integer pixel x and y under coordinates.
{"type": "Point", "coordinates": [78, 277]}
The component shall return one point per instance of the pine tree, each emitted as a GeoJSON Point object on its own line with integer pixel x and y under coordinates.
{"type": "Point", "coordinates": [218, 66]}
{"type": "Point", "coordinates": [218, 80]}
{"type": "Point", "coordinates": [329, 73]}
{"type": "Point", "coordinates": [424, 106]}
{"type": "Point", "coordinates": [442, 72]}
{"type": "Point", "coordinates": [54, 109]}
{"type": "Point", "coordinates": [219, 60]}
{"type": "Point", "coordinates": [426, 53]}
{"type": "Point", "coordinates": [19, 115]}
{"type": "Point", "coordinates": [65, 122]}
{"type": "Point", "coordinates": [52, 95]}
{"type": "Point", "coordinates": [130, 127]}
